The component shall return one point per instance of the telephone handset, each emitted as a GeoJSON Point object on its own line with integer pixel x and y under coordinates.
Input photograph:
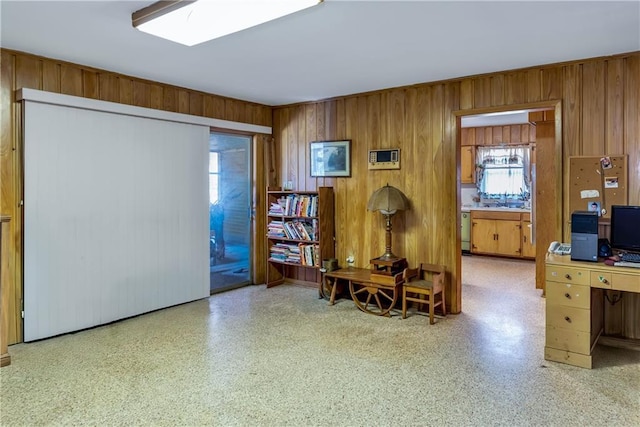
{"type": "Point", "coordinates": [559, 248]}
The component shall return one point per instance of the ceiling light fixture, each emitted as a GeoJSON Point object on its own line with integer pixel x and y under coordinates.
{"type": "Point", "coordinates": [193, 22]}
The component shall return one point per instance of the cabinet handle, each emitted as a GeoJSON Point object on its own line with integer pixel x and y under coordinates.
{"type": "Point", "coordinates": [567, 276]}
{"type": "Point", "coordinates": [567, 295]}
{"type": "Point", "coordinates": [567, 319]}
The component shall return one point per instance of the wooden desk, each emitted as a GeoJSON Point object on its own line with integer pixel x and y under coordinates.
{"type": "Point", "coordinates": [575, 303]}
{"type": "Point", "coordinates": [371, 293]}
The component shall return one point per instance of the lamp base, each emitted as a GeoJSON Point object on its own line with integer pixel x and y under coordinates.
{"type": "Point", "coordinates": [388, 266]}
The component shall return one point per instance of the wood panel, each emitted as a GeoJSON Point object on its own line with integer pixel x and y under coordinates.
{"type": "Point", "coordinates": [534, 85]}
{"type": "Point", "coordinates": [90, 88]}
{"type": "Point", "coordinates": [513, 134]}
{"type": "Point", "coordinates": [5, 358]}
{"type": "Point", "coordinates": [20, 70]}
{"type": "Point", "coordinates": [614, 123]}
{"type": "Point", "coordinates": [71, 79]}
{"type": "Point", "coordinates": [50, 76]}
{"type": "Point", "coordinates": [631, 135]}
{"type": "Point", "coordinates": [593, 112]}
{"type": "Point", "coordinates": [420, 121]}
{"type": "Point", "coordinates": [547, 212]}
{"type": "Point", "coordinates": [516, 86]}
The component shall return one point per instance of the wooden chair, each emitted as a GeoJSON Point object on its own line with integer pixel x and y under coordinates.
{"type": "Point", "coordinates": [428, 280]}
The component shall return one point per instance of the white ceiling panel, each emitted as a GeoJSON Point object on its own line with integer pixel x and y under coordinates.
{"type": "Point", "coordinates": [337, 48]}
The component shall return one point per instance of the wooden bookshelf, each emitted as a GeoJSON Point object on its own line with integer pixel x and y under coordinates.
{"type": "Point", "coordinates": [300, 234]}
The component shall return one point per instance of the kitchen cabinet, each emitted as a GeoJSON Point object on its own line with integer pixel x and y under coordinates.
{"type": "Point", "coordinates": [496, 233]}
{"type": "Point", "coordinates": [528, 247]}
{"type": "Point", "coordinates": [468, 164]}
{"type": "Point", "coordinates": [468, 136]}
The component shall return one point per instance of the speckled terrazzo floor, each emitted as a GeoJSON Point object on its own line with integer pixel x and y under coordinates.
{"type": "Point", "coordinates": [281, 356]}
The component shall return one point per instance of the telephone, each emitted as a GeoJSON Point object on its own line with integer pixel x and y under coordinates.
{"type": "Point", "coordinates": [560, 248]}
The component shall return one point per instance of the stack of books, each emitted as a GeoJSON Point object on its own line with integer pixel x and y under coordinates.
{"type": "Point", "coordinates": [285, 252]}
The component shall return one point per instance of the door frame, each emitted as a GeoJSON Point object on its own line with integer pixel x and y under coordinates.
{"type": "Point", "coordinates": [554, 214]}
{"type": "Point", "coordinates": [251, 170]}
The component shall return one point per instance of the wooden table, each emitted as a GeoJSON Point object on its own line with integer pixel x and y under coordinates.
{"type": "Point", "coordinates": [372, 293]}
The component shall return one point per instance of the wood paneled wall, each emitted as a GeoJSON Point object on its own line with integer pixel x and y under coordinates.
{"type": "Point", "coordinates": [20, 70]}
{"type": "Point", "coordinates": [600, 115]}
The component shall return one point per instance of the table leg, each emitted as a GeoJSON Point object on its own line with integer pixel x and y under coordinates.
{"type": "Point", "coordinates": [332, 300]}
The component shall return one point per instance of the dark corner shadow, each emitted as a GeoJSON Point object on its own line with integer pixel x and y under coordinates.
{"type": "Point", "coordinates": [605, 356]}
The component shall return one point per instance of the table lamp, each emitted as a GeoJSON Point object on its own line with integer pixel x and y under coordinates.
{"type": "Point", "coordinates": [388, 200]}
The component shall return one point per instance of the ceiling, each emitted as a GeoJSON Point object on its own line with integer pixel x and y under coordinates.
{"type": "Point", "coordinates": [337, 48]}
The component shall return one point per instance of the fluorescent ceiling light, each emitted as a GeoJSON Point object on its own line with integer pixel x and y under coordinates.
{"type": "Point", "coordinates": [193, 22]}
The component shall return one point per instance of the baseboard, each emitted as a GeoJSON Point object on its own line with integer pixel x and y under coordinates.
{"type": "Point", "coordinates": [5, 360]}
{"type": "Point", "coordinates": [628, 343]}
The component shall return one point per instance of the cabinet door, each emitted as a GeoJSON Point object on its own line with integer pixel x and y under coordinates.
{"type": "Point", "coordinates": [483, 236]}
{"type": "Point", "coordinates": [467, 164]}
{"type": "Point", "coordinates": [508, 242]}
{"type": "Point", "coordinates": [528, 248]}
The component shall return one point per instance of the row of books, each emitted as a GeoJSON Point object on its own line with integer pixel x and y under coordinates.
{"type": "Point", "coordinates": [295, 205]}
{"type": "Point", "coordinates": [295, 254]}
{"type": "Point", "coordinates": [294, 230]}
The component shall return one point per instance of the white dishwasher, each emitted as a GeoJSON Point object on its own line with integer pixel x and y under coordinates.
{"type": "Point", "coordinates": [465, 233]}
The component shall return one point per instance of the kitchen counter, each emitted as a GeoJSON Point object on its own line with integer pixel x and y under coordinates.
{"type": "Point", "coordinates": [467, 208]}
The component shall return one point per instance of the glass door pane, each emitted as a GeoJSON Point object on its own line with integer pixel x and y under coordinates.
{"type": "Point", "coordinates": [229, 207]}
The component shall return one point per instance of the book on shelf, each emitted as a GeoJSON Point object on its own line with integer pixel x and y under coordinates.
{"type": "Point", "coordinates": [285, 252]}
{"type": "Point", "coordinates": [302, 230]}
{"type": "Point", "coordinates": [291, 231]}
{"type": "Point", "coordinates": [294, 230]}
{"type": "Point", "coordinates": [301, 205]}
{"type": "Point", "coordinates": [310, 254]}
{"type": "Point", "coordinates": [276, 229]}
{"type": "Point", "coordinates": [276, 209]}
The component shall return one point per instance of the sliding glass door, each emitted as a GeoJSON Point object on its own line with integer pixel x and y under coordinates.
{"type": "Point", "coordinates": [229, 210]}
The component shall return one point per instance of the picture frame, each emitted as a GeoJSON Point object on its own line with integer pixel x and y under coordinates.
{"type": "Point", "coordinates": [330, 158]}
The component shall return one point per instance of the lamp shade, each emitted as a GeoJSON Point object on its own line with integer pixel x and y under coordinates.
{"type": "Point", "coordinates": [388, 200]}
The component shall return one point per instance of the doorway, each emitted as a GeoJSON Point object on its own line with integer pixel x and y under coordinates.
{"type": "Point", "coordinates": [229, 211]}
{"type": "Point", "coordinates": [546, 170]}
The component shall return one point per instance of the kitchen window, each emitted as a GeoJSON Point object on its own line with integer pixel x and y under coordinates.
{"type": "Point", "coordinates": [503, 173]}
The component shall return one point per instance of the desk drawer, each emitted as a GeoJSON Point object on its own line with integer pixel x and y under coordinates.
{"type": "Point", "coordinates": [557, 273]}
{"type": "Point", "coordinates": [600, 279]}
{"type": "Point", "coordinates": [562, 316]}
{"type": "Point", "coordinates": [566, 339]}
{"type": "Point", "coordinates": [568, 294]}
{"type": "Point", "coordinates": [625, 282]}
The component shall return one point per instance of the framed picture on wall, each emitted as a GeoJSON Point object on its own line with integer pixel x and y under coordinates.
{"type": "Point", "coordinates": [330, 158]}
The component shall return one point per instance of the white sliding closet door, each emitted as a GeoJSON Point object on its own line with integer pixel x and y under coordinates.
{"type": "Point", "coordinates": [115, 217]}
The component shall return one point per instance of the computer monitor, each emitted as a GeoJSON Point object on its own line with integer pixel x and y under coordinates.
{"type": "Point", "coordinates": [625, 228]}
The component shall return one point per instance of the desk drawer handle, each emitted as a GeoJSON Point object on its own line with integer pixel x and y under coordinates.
{"type": "Point", "coordinates": [567, 319]}
{"type": "Point", "coordinates": [567, 295]}
{"type": "Point", "coordinates": [567, 276]}
{"type": "Point", "coordinates": [603, 280]}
